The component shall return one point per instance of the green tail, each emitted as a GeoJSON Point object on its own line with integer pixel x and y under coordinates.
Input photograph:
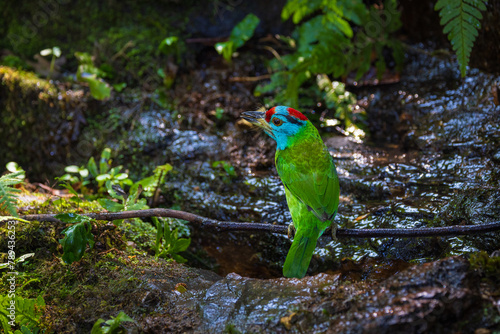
{"type": "Point", "coordinates": [300, 253]}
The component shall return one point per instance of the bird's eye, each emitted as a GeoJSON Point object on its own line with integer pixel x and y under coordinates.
{"type": "Point", "coordinates": [277, 121]}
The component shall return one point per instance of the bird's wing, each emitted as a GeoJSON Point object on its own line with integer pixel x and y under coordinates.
{"type": "Point", "coordinates": [318, 189]}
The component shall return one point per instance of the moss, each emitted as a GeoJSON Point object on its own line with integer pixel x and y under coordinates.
{"type": "Point", "coordinates": [124, 35]}
{"type": "Point", "coordinates": [487, 266]}
{"type": "Point", "coordinates": [26, 81]}
{"type": "Point", "coordinates": [41, 123]}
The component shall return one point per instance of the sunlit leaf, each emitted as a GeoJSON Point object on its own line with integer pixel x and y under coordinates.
{"type": "Point", "coordinates": [72, 169]}
{"type": "Point", "coordinates": [110, 205]}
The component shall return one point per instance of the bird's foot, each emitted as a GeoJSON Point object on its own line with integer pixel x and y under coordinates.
{"type": "Point", "coordinates": [334, 232]}
{"type": "Point", "coordinates": [291, 231]}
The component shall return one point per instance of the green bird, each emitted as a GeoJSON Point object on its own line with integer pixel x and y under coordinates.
{"type": "Point", "coordinates": [311, 183]}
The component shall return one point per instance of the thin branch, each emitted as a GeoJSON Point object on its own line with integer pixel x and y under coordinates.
{"type": "Point", "coordinates": [280, 229]}
{"type": "Point", "coordinates": [250, 79]}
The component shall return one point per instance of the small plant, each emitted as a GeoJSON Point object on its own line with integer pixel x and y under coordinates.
{"type": "Point", "coordinates": [77, 236]}
{"type": "Point", "coordinates": [8, 194]}
{"type": "Point", "coordinates": [87, 72]}
{"type": "Point", "coordinates": [168, 242]}
{"type": "Point", "coordinates": [22, 258]}
{"type": "Point", "coordinates": [112, 326]}
{"type": "Point", "coordinates": [240, 34]}
{"type": "Point", "coordinates": [14, 61]}
{"type": "Point", "coordinates": [56, 53]}
{"type": "Point", "coordinates": [27, 314]}
{"type": "Point", "coordinates": [96, 175]}
{"type": "Point", "coordinates": [226, 166]}
{"type": "Point", "coordinates": [461, 22]}
{"type": "Point", "coordinates": [343, 102]}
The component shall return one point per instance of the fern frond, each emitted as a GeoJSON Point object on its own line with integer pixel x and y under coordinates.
{"type": "Point", "coordinates": [8, 194]}
{"type": "Point", "coordinates": [461, 20]}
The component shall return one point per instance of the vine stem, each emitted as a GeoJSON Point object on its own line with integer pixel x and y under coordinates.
{"type": "Point", "coordinates": [280, 229]}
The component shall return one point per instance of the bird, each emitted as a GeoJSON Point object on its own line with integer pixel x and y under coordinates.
{"type": "Point", "coordinates": [307, 171]}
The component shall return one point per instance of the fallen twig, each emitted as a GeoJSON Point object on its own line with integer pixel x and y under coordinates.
{"type": "Point", "coordinates": [250, 79]}
{"type": "Point", "coordinates": [239, 226]}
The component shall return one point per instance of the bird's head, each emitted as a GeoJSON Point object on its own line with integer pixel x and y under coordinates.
{"type": "Point", "coordinates": [281, 123]}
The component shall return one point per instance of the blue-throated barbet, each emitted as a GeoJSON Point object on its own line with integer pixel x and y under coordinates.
{"type": "Point", "coordinates": [308, 173]}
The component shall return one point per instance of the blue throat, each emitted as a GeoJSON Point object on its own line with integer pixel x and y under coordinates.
{"type": "Point", "coordinates": [281, 140]}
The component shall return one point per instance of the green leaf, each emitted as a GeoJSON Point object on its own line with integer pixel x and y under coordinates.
{"type": "Point", "coordinates": [99, 89]}
{"type": "Point", "coordinates": [92, 167]}
{"type": "Point", "coordinates": [70, 188]}
{"type": "Point", "coordinates": [240, 34]}
{"type": "Point", "coordinates": [169, 45]}
{"type": "Point", "coordinates": [104, 162]}
{"type": "Point", "coordinates": [84, 172]}
{"type": "Point", "coordinates": [110, 205]}
{"type": "Point", "coordinates": [119, 86]}
{"type": "Point", "coordinates": [111, 326]}
{"type": "Point", "coordinates": [29, 311]}
{"type": "Point", "coordinates": [75, 241]}
{"type": "Point", "coordinates": [178, 258]}
{"type": "Point", "coordinates": [96, 329]}
{"type": "Point", "coordinates": [13, 167]}
{"type": "Point", "coordinates": [8, 194]}
{"type": "Point", "coordinates": [103, 177]}
{"type": "Point", "coordinates": [244, 30]}
{"type": "Point", "coordinates": [461, 22]}
{"type": "Point", "coordinates": [181, 245]}
{"type": "Point", "coordinates": [113, 193]}
{"type": "Point", "coordinates": [147, 182]}
{"type": "Point", "coordinates": [46, 52]}
{"type": "Point", "coordinates": [226, 49]}
{"type": "Point", "coordinates": [140, 205]}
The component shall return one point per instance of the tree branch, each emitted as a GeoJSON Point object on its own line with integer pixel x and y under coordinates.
{"type": "Point", "coordinates": [280, 229]}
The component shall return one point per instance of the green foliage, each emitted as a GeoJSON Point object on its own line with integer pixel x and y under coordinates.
{"type": "Point", "coordinates": [488, 266]}
{"type": "Point", "coordinates": [461, 22]}
{"type": "Point", "coordinates": [128, 203]}
{"type": "Point", "coordinates": [227, 167]}
{"type": "Point", "coordinates": [324, 43]}
{"type": "Point", "coordinates": [110, 197]}
{"type": "Point", "coordinates": [112, 326]}
{"type": "Point", "coordinates": [343, 102]}
{"type": "Point", "coordinates": [56, 53]}
{"type": "Point", "coordinates": [168, 242]}
{"type": "Point", "coordinates": [87, 72]}
{"type": "Point", "coordinates": [219, 112]}
{"type": "Point", "coordinates": [240, 34]}
{"type": "Point", "coordinates": [172, 46]}
{"type": "Point", "coordinates": [22, 258]}
{"type": "Point", "coordinates": [150, 184]}
{"type": "Point", "coordinates": [27, 315]}
{"type": "Point", "coordinates": [96, 176]}
{"type": "Point", "coordinates": [8, 194]}
{"type": "Point", "coordinates": [77, 236]}
{"type": "Point", "coordinates": [14, 61]}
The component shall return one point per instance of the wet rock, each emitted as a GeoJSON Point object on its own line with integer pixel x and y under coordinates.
{"type": "Point", "coordinates": [191, 144]}
{"type": "Point", "coordinates": [436, 297]}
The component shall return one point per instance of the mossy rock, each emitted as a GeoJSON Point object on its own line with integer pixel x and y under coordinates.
{"type": "Point", "coordinates": [41, 123]}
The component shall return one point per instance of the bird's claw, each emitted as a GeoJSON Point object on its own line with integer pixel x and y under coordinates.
{"type": "Point", "coordinates": [334, 232]}
{"type": "Point", "coordinates": [291, 231]}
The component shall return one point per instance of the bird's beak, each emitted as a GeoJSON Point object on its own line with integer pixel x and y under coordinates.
{"type": "Point", "coordinates": [253, 116]}
{"type": "Point", "coordinates": [257, 118]}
